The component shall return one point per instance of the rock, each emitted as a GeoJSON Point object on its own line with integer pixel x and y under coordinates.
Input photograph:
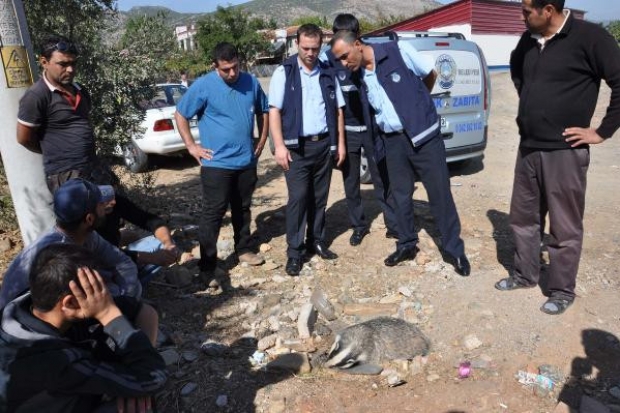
{"type": "Point", "coordinates": [280, 279]}
{"type": "Point", "coordinates": [225, 248]}
{"type": "Point", "coordinates": [267, 342]}
{"type": "Point", "coordinates": [422, 259]}
{"type": "Point", "coordinates": [270, 266]}
{"type": "Point", "coordinates": [322, 304]}
{"type": "Point", "coordinates": [190, 356]}
{"type": "Point", "coordinates": [416, 366]}
{"type": "Point", "coordinates": [5, 245]}
{"type": "Point", "coordinates": [274, 323]}
{"type": "Point", "coordinates": [222, 400]}
{"type": "Point", "coordinates": [264, 248]}
{"type": "Point", "coordinates": [394, 380]}
{"type": "Point", "coordinates": [188, 388]}
{"type": "Point", "coordinates": [306, 320]}
{"type": "Point", "coordinates": [293, 362]}
{"type": "Point", "coordinates": [471, 342]}
{"type": "Point", "coordinates": [300, 346]}
{"type": "Point", "coordinates": [213, 348]}
{"type": "Point", "coordinates": [277, 406]}
{"type": "Point", "coordinates": [615, 392]}
{"type": "Point", "coordinates": [170, 357]}
{"type": "Point", "coordinates": [391, 299]}
{"type": "Point", "coordinates": [405, 291]}
{"type": "Point", "coordinates": [432, 377]}
{"type": "Point", "coordinates": [365, 310]}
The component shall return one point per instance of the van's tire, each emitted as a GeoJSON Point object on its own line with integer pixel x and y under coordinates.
{"type": "Point", "coordinates": [365, 176]}
{"type": "Point", "coordinates": [135, 159]}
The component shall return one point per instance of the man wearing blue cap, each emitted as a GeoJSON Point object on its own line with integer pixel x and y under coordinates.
{"type": "Point", "coordinates": [79, 206]}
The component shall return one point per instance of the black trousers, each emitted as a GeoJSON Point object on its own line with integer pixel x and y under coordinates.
{"type": "Point", "coordinates": [221, 188]}
{"type": "Point", "coordinates": [351, 178]}
{"type": "Point", "coordinates": [428, 162]}
{"type": "Point", "coordinates": [308, 180]}
{"type": "Point", "coordinates": [551, 182]}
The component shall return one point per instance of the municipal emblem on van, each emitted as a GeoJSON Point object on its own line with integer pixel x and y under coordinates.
{"type": "Point", "coordinates": [446, 71]}
{"type": "Point", "coordinates": [395, 77]}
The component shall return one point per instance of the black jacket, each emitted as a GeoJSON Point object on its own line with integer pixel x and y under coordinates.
{"type": "Point", "coordinates": [44, 371]}
{"type": "Point", "coordinates": [558, 86]}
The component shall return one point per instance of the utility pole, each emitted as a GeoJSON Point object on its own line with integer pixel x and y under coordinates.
{"type": "Point", "coordinates": [24, 169]}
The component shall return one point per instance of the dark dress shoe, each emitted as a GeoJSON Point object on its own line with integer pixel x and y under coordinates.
{"type": "Point", "coordinates": [357, 236]}
{"type": "Point", "coordinates": [391, 234]}
{"type": "Point", "coordinates": [322, 251]}
{"type": "Point", "coordinates": [293, 266]}
{"type": "Point", "coordinates": [400, 255]}
{"type": "Point", "coordinates": [462, 266]}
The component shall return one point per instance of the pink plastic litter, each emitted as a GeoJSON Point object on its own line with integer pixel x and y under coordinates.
{"type": "Point", "coordinates": [464, 370]}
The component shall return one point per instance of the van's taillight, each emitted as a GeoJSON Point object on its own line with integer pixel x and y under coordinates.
{"type": "Point", "coordinates": [163, 125]}
{"type": "Point", "coordinates": [443, 44]}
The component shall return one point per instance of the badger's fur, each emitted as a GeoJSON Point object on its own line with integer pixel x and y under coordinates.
{"type": "Point", "coordinates": [374, 341]}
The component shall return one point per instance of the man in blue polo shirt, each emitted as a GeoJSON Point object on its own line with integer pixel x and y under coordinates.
{"type": "Point", "coordinates": [307, 127]}
{"type": "Point", "coordinates": [226, 102]}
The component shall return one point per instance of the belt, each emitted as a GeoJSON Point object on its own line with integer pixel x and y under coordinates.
{"type": "Point", "coordinates": [350, 128]}
{"type": "Point", "coordinates": [389, 134]}
{"type": "Point", "coordinates": [315, 138]}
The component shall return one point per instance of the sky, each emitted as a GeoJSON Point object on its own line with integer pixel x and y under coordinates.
{"type": "Point", "coordinates": [598, 10]}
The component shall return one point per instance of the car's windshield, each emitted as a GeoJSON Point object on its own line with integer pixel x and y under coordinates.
{"type": "Point", "coordinates": [164, 96]}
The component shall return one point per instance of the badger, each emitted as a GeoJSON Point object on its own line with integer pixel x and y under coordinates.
{"type": "Point", "coordinates": [360, 348]}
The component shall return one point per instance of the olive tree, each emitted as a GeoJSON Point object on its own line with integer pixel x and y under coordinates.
{"type": "Point", "coordinates": [231, 24]}
{"type": "Point", "coordinates": [115, 76]}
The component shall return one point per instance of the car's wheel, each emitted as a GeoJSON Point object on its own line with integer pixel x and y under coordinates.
{"type": "Point", "coordinates": [365, 176]}
{"type": "Point", "coordinates": [135, 160]}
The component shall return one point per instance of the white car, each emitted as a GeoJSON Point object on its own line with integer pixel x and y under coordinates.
{"type": "Point", "coordinates": [161, 136]}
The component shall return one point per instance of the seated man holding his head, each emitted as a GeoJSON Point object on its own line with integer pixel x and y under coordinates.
{"type": "Point", "coordinates": [54, 357]}
{"type": "Point", "coordinates": [80, 207]}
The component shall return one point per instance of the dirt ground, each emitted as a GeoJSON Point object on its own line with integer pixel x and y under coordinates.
{"type": "Point", "coordinates": [465, 318]}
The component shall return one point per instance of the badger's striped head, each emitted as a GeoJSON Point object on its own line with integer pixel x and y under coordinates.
{"type": "Point", "coordinates": [344, 355]}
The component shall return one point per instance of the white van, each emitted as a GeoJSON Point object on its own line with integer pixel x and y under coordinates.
{"type": "Point", "coordinates": [462, 92]}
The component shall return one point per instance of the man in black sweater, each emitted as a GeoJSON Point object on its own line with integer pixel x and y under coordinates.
{"type": "Point", "coordinates": [557, 69]}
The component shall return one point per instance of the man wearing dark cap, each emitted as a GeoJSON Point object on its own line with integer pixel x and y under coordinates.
{"type": "Point", "coordinates": [79, 206]}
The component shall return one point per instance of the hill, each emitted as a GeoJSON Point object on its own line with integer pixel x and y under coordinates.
{"type": "Point", "coordinates": [285, 11]}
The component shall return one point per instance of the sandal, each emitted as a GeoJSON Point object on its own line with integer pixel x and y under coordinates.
{"type": "Point", "coordinates": [509, 283]}
{"type": "Point", "coordinates": [555, 306]}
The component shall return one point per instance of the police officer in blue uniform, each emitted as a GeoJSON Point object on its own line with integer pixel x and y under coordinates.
{"type": "Point", "coordinates": [307, 127]}
{"type": "Point", "coordinates": [358, 127]}
{"type": "Point", "coordinates": [398, 81]}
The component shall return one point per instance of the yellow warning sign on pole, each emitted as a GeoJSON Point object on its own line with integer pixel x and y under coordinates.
{"type": "Point", "coordinates": [16, 67]}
